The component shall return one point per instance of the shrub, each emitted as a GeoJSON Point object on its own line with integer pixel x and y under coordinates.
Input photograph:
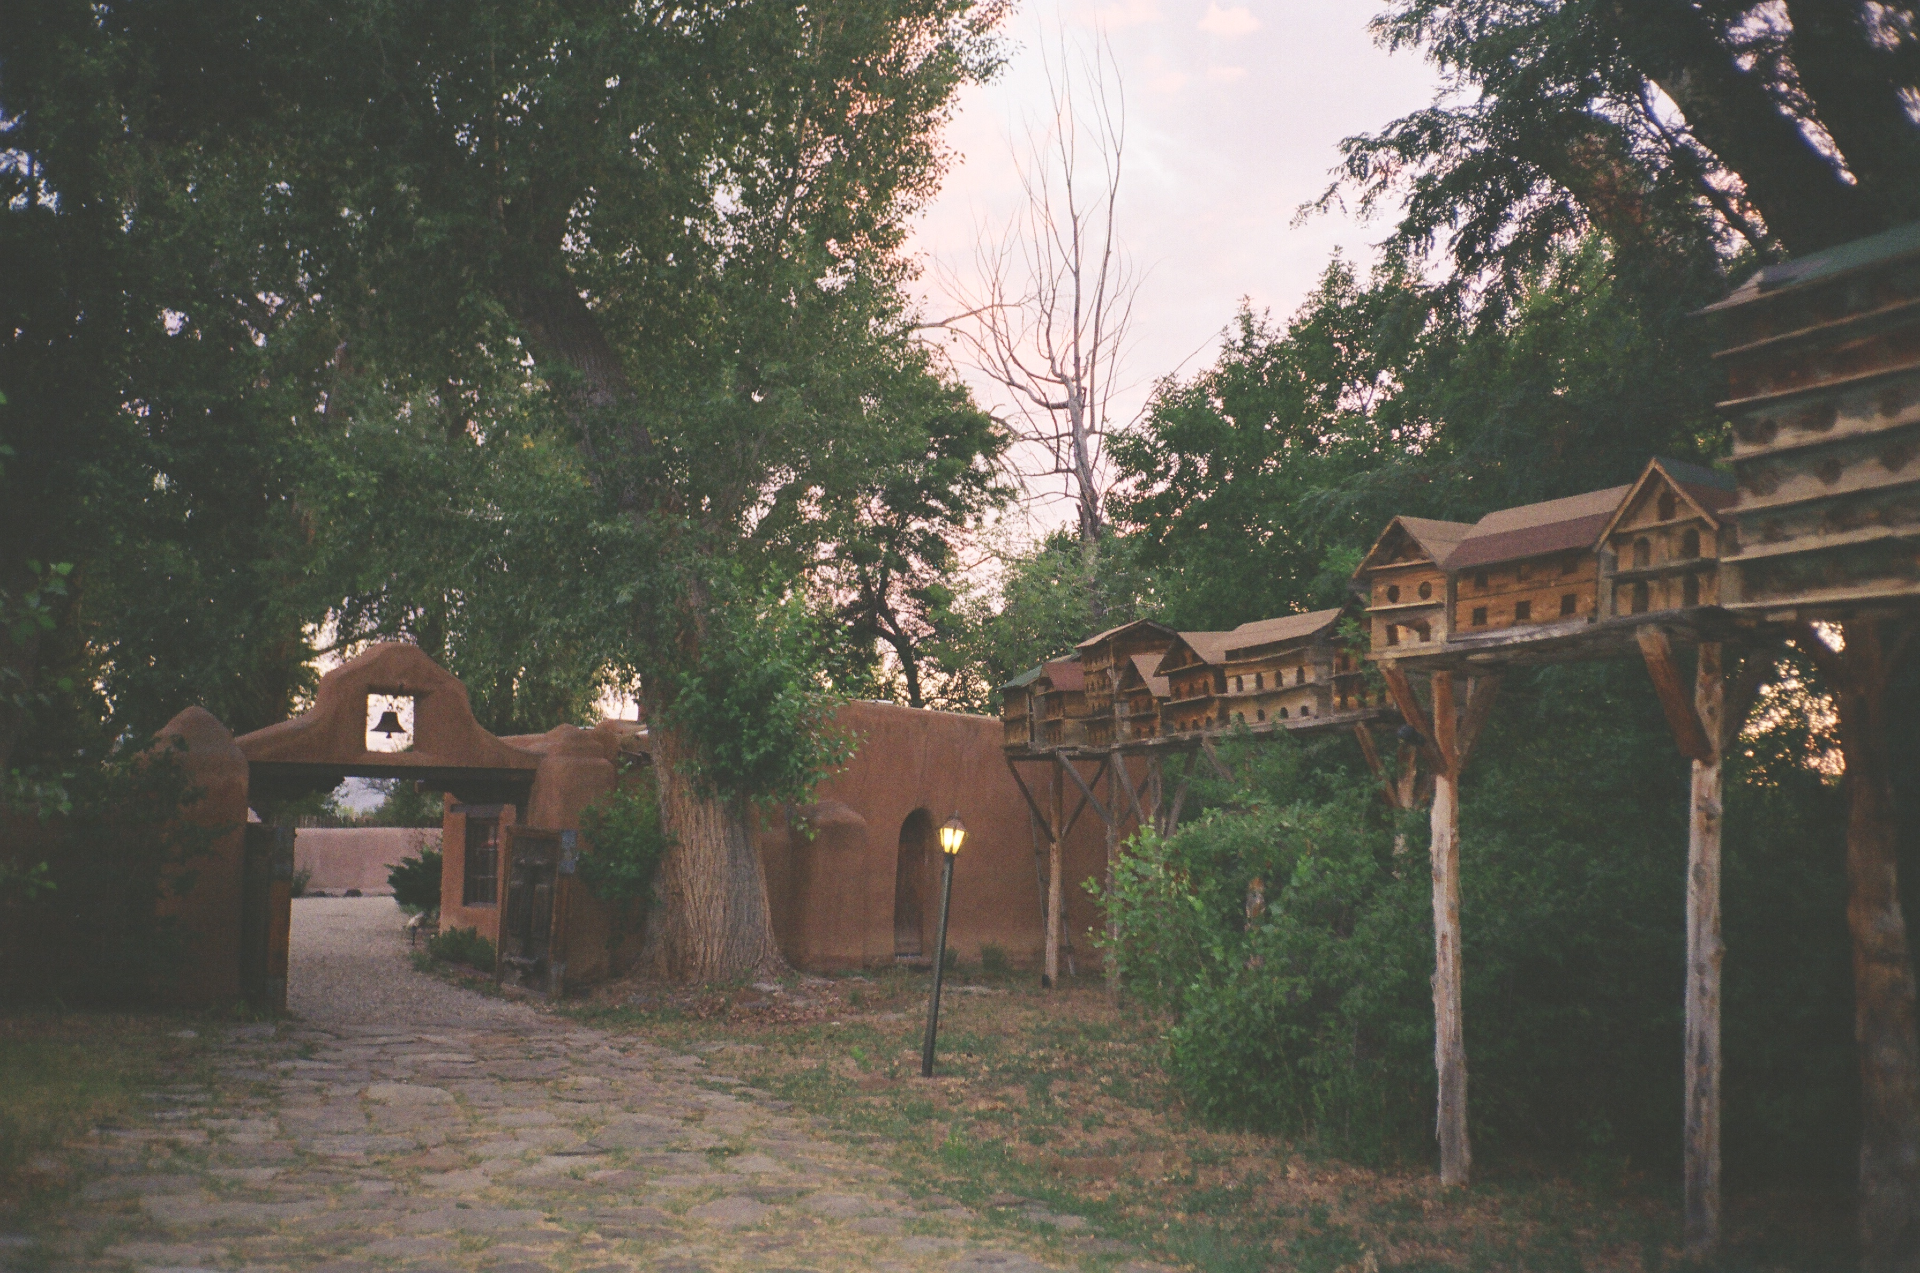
{"type": "Point", "coordinates": [993, 961]}
{"type": "Point", "coordinates": [416, 881]}
{"type": "Point", "coordinates": [302, 876]}
{"type": "Point", "coordinates": [462, 946]}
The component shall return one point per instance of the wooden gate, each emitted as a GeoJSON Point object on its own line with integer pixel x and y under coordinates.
{"type": "Point", "coordinates": [266, 914]}
{"type": "Point", "coordinates": [537, 867]}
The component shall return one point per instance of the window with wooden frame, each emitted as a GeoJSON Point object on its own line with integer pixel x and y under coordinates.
{"type": "Point", "coordinates": [1523, 612]}
{"type": "Point", "coordinates": [480, 874]}
{"type": "Point", "coordinates": [1568, 602]}
{"type": "Point", "coordinates": [1479, 616]}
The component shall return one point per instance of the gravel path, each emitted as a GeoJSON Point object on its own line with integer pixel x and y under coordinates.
{"type": "Point", "coordinates": [402, 1124]}
{"type": "Point", "coordinates": [348, 965]}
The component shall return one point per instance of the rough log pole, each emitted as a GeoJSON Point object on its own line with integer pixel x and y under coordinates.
{"type": "Point", "coordinates": [1704, 956]}
{"type": "Point", "coordinates": [1108, 963]}
{"type": "Point", "coordinates": [1051, 977]}
{"type": "Point", "coordinates": [1449, 1031]}
{"type": "Point", "coordinates": [1699, 731]}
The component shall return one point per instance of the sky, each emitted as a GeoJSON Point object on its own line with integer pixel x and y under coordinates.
{"type": "Point", "coordinates": [1235, 112]}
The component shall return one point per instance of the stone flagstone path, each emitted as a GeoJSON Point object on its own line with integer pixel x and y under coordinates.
{"type": "Point", "coordinates": [403, 1124]}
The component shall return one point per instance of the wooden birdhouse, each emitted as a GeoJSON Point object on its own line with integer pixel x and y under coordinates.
{"type": "Point", "coordinates": [1062, 703]}
{"type": "Point", "coordinates": [1016, 709]}
{"type": "Point", "coordinates": [1141, 694]}
{"type": "Point", "coordinates": [1661, 550]}
{"type": "Point", "coordinates": [1531, 567]}
{"type": "Point", "coordinates": [1404, 582]}
{"type": "Point", "coordinates": [1823, 361]}
{"type": "Point", "coordinates": [1102, 659]}
{"type": "Point", "coordinates": [1195, 669]}
{"type": "Point", "coordinates": [1279, 669]}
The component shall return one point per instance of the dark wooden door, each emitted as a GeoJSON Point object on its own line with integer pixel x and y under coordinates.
{"type": "Point", "coordinates": [266, 914]}
{"type": "Point", "coordinates": [536, 865]}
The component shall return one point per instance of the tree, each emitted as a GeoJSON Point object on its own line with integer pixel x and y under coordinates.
{"type": "Point", "coordinates": [690, 220]}
{"type": "Point", "coordinates": [888, 567]}
{"type": "Point", "coordinates": [1680, 129]}
{"type": "Point", "coordinates": [1047, 322]}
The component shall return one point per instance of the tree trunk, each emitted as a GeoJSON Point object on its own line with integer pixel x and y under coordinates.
{"type": "Point", "coordinates": [713, 921]}
{"type": "Point", "coordinates": [1884, 1022]}
{"type": "Point", "coordinates": [1704, 957]}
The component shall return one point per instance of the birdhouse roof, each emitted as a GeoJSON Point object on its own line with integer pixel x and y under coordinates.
{"type": "Point", "coordinates": [1555, 525]}
{"type": "Point", "coordinates": [1707, 491]}
{"type": "Point", "coordinates": [1293, 627]}
{"type": "Point", "coordinates": [1434, 538]}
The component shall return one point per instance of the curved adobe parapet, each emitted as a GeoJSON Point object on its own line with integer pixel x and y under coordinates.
{"type": "Point", "coordinates": [334, 733]}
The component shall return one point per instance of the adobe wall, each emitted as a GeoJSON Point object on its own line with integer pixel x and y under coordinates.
{"type": "Point", "coordinates": [575, 768]}
{"type": "Point", "coordinates": [357, 857]}
{"type": "Point", "coordinates": [833, 894]}
{"type": "Point", "coordinates": [209, 912]}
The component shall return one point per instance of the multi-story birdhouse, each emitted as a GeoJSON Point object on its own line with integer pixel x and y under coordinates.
{"type": "Point", "coordinates": [1279, 669]}
{"type": "Point", "coordinates": [1194, 666]}
{"type": "Point", "coordinates": [1102, 660]}
{"type": "Point", "coordinates": [1823, 361]}
{"type": "Point", "coordinates": [1140, 695]}
{"type": "Point", "coordinates": [1661, 549]}
{"type": "Point", "coordinates": [1016, 709]}
{"type": "Point", "coordinates": [1404, 581]}
{"type": "Point", "coordinates": [1062, 703]}
{"type": "Point", "coordinates": [1530, 567]}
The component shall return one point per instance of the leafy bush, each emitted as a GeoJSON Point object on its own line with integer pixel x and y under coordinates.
{"type": "Point", "coordinates": [628, 842]}
{"type": "Point", "coordinates": [462, 946]}
{"type": "Point", "coordinates": [416, 881]}
{"type": "Point", "coordinates": [1304, 1007]}
{"type": "Point", "coordinates": [993, 960]}
{"type": "Point", "coordinates": [302, 876]}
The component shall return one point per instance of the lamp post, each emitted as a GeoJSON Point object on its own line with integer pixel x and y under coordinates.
{"type": "Point", "coordinates": [952, 835]}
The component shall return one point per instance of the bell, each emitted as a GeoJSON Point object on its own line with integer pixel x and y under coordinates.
{"type": "Point", "coordinates": [389, 724]}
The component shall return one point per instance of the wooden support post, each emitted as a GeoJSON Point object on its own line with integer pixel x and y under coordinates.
{"type": "Point", "coordinates": [1051, 977]}
{"type": "Point", "coordinates": [1704, 957]}
{"type": "Point", "coordinates": [1108, 964]}
{"type": "Point", "coordinates": [1449, 1033]}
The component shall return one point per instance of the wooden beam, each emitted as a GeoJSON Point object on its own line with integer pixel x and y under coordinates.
{"type": "Point", "coordinates": [1087, 795]}
{"type": "Point", "coordinates": [1039, 818]}
{"type": "Point", "coordinates": [1368, 751]}
{"type": "Point", "coordinates": [1705, 954]}
{"type": "Point", "coordinates": [1674, 700]}
{"type": "Point", "coordinates": [1213, 756]}
{"type": "Point", "coordinates": [1403, 698]}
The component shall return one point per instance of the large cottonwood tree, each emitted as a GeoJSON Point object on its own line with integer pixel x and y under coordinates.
{"type": "Point", "coordinates": [677, 227]}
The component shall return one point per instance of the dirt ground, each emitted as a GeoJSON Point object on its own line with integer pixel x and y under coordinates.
{"type": "Point", "coordinates": [1058, 1099]}
{"type": "Point", "coordinates": [414, 1121]}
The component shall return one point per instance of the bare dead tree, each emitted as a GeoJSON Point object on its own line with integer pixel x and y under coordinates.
{"type": "Point", "coordinates": [1046, 319]}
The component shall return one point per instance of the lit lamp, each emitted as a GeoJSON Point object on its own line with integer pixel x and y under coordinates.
{"type": "Point", "coordinates": [952, 835]}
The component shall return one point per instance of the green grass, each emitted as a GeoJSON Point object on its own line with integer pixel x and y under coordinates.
{"type": "Point", "coordinates": [66, 1073]}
